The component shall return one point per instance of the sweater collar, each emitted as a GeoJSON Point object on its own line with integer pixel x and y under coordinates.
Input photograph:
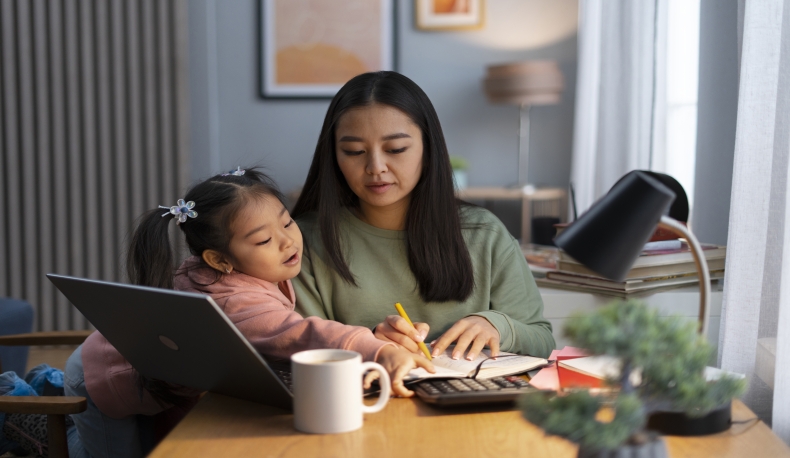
{"type": "Point", "coordinates": [349, 216]}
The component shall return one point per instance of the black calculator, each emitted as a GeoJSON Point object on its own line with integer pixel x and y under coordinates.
{"type": "Point", "coordinates": [468, 391]}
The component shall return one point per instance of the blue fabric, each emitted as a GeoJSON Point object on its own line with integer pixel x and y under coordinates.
{"type": "Point", "coordinates": [11, 385]}
{"type": "Point", "coordinates": [16, 317]}
{"type": "Point", "coordinates": [39, 375]}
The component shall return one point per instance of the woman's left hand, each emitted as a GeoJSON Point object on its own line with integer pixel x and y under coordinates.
{"type": "Point", "coordinates": [474, 330]}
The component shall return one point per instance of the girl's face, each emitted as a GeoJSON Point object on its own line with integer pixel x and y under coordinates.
{"type": "Point", "coordinates": [379, 150]}
{"type": "Point", "coordinates": [266, 243]}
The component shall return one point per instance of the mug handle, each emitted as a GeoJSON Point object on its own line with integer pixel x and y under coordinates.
{"type": "Point", "coordinates": [384, 381]}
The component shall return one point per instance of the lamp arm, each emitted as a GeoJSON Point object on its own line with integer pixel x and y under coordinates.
{"type": "Point", "coordinates": [702, 266]}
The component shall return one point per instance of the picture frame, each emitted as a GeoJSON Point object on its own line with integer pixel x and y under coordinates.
{"type": "Point", "coordinates": [449, 14]}
{"type": "Point", "coordinates": [310, 48]}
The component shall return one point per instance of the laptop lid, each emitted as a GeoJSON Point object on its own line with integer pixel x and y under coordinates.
{"type": "Point", "coordinates": [175, 336]}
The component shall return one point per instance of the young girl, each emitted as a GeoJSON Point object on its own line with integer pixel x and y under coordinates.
{"type": "Point", "coordinates": [246, 248]}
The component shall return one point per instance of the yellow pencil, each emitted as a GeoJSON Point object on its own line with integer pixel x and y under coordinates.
{"type": "Point", "coordinates": [422, 345]}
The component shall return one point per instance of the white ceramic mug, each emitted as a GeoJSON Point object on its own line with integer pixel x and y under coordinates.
{"type": "Point", "coordinates": [327, 387]}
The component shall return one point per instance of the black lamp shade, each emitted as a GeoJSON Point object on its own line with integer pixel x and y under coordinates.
{"type": "Point", "coordinates": [609, 237]}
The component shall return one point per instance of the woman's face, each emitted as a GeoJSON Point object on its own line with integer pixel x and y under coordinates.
{"type": "Point", "coordinates": [379, 150]}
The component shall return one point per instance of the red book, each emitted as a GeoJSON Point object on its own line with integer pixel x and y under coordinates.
{"type": "Point", "coordinates": [570, 378]}
{"type": "Point", "coordinates": [588, 372]}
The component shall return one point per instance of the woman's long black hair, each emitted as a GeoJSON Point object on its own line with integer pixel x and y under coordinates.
{"type": "Point", "coordinates": [437, 253]}
{"type": "Point", "coordinates": [150, 259]}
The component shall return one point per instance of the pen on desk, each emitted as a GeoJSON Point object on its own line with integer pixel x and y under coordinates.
{"type": "Point", "coordinates": [403, 315]}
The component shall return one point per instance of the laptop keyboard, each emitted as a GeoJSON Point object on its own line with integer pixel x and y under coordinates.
{"type": "Point", "coordinates": [285, 376]}
{"type": "Point", "coordinates": [283, 371]}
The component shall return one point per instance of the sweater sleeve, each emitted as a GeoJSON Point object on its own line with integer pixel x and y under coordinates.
{"type": "Point", "coordinates": [276, 331]}
{"type": "Point", "coordinates": [516, 308]}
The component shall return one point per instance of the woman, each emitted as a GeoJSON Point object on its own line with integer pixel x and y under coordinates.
{"type": "Point", "coordinates": [382, 225]}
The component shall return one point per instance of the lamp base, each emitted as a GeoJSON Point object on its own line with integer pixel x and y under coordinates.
{"type": "Point", "coordinates": [680, 424]}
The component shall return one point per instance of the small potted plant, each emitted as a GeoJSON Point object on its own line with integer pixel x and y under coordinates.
{"type": "Point", "coordinates": [459, 166]}
{"type": "Point", "coordinates": [670, 358]}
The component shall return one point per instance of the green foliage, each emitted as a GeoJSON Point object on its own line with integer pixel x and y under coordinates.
{"type": "Point", "coordinates": [670, 354]}
{"type": "Point", "coordinates": [458, 163]}
{"type": "Point", "coordinates": [671, 357]}
{"type": "Point", "coordinates": [574, 418]}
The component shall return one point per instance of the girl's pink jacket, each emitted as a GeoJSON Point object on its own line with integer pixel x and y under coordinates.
{"type": "Point", "coordinates": [261, 310]}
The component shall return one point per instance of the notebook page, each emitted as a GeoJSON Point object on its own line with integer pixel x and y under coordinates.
{"type": "Point", "coordinates": [441, 372]}
{"type": "Point", "coordinates": [447, 367]}
{"type": "Point", "coordinates": [510, 365]}
{"type": "Point", "coordinates": [505, 364]}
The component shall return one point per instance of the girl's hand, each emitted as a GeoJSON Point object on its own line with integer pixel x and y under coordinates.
{"type": "Point", "coordinates": [398, 362]}
{"type": "Point", "coordinates": [474, 330]}
{"type": "Point", "coordinates": [398, 330]}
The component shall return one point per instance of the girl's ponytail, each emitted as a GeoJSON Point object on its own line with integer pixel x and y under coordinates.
{"type": "Point", "coordinates": [150, 260]}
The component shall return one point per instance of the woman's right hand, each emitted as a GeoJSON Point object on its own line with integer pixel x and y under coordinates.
{"type": "Point", "coordinates": [396, 329]}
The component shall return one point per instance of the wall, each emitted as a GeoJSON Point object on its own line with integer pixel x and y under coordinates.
{"type": "Point", "coordinates": [717, 109]}
{"type": "Point", "coordinates": [232, 125]}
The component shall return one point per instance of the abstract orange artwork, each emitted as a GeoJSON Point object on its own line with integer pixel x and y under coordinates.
{"type": "Point", "coordinates": [312, 47]}
{"type": "Point", "coordinates": [449, 14]}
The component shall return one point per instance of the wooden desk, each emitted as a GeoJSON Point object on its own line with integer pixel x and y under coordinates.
{"type": "Point", "coordinates": [223, 426]}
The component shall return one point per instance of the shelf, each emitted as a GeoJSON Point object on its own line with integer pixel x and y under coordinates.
{"type": "Point", "coordinates": [534, 202]}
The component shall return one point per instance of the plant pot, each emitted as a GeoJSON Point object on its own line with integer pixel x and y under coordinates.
{"type": "Point", "coordinates": [680, 424]}
{"type": "Point", "coordinates": [653, 447]}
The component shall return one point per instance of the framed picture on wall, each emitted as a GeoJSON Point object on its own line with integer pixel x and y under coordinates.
{"type": "Point", "coordinates": [310, 48]}
{"type": "Point", "coordinates": [449, 14]}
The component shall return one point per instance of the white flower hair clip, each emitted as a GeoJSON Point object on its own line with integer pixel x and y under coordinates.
{"type": "Point", "coordinates": [238, 172]}
{"type": "Point", "coordinates": [181, 211]}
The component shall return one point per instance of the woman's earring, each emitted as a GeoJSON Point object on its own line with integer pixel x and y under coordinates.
{"type": "Point", "coordinates": [227, 271]}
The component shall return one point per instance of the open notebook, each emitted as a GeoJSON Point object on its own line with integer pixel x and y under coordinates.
{"type": "Point", "coordinates": [505, 364]}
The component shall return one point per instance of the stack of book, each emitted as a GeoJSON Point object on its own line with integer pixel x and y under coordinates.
{"type": "Point", "coordinates": [661, 265]}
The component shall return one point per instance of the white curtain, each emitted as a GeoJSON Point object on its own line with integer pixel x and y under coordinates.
{"type": "Point", "coordinates": [617, 90]}
{"type": "Point", "coordinates": [754, 336]}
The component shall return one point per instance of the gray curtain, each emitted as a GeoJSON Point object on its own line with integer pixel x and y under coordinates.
{"type": "Point", "coordinates": [755, 330]}
{"type": "Point", "coordinates": [619, 63]}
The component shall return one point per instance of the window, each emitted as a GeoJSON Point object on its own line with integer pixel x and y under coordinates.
{"type": "Point", "coordinates": [676, 130]}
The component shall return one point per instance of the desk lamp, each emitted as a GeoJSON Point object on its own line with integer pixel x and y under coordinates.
{"type": "Point", "coordinates": [608, 239]}
{"type": "Point", "coordinates": [610, 236]}
{"type": "Point", "coordinates": [529, 83]}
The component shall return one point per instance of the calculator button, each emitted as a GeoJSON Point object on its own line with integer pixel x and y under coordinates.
{"type": "Point", "coordinates": [444, 387]}
{"type": "Point", "coordinates": [489, 384]}
{"type": "Point", "coordinates": [430, 389]}
{"type": "Point", "coordinates": [475, 385]}
{"type": "Point", "coordinates": [459, 385]}
{"type": "Point", "coordinates": [504, 383]}
{"type": "Point", "coordinates": [518, 381]}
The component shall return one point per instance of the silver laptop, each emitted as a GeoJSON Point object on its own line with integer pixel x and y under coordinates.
{"type": "Point", "coordinates": [182, 338]}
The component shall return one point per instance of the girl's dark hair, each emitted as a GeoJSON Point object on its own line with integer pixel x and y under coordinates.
{"type": "Point", "coordinates": [150, 260]}
{"type": "Point", "coordinates": [437, 253]}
